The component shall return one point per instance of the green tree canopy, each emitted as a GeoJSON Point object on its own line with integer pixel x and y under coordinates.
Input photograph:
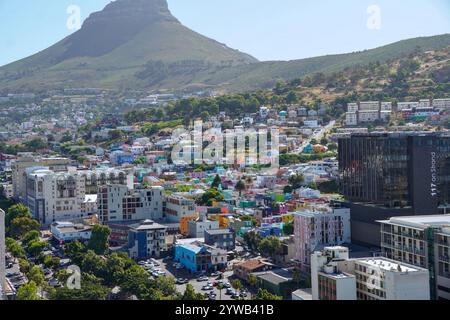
{"type": "Point", "coordinates": [99, 239]}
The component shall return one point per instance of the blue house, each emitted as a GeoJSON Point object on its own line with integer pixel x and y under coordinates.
{"type": "Point", "coordinates": [194, 258]}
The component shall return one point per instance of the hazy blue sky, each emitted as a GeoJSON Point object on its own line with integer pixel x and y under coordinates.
{"type": "Point", "coordinates": [266, 29]}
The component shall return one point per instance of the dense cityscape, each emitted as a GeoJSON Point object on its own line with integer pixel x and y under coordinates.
{"type": "Point", "coordinates": [332, 186]}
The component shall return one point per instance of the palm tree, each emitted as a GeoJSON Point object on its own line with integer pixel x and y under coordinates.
{"type": "Point", "coordinates": [220, 288]}
{"type": "Point", "coordinates": [252, 281]}
{"type": "Point", "coordinates": [237, 285]}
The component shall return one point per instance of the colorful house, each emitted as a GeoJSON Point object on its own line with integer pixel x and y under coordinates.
{"type": "Point", "coordinates": [194, 258]}
{"type": "Point", "coordinates": [184, 224]}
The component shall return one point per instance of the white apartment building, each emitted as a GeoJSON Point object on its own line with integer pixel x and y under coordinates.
{"type": "Point", "coordinates": [120, 203]}
{"type": "Point", "coordinates": [351, 118]}
{"type": "Point", "coordinates": [441, 104]}
{"type": "Point", "coordinates": [368, 111]}
{"type": "Point", "coordinates": [423, 241]}
{"type": "Point", "coordinates": [19, 167]}
{"type": "Point", "coordinates": [386, 279]}
{"type": "Point", "coordinates": [177, 207]}
{"type": "Point", "coordinates": [424, 103]}
{"type": "Point", "coordinates": [69, 231]}
{"type": "Point", "coordinates": [327, 281]}
{"type": "Point", "coordinates": [197, 228]}
{"type": "Point", "coordinates": [54, 196]}
{"type": "Point", "coordinates": [336, 277]}
{"type": "Point", "coordinates": [319, 227]}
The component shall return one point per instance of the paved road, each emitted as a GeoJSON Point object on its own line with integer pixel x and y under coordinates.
{"type": "Point", "coordinates": [316, 135]}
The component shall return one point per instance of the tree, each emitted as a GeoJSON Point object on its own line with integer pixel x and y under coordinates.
{"type": "Point", "coordinates": [75, 250]}
{"type": "Point", "coordinates": [51, 262]}
{"type": "Point", "coordinates": [167, 286]}
{"type": "Point", "coordinates": [252, 280]}
{"type": "Point", "coordinates": [91, 289]}
{"type": "Point", "coordinates": [36, 274]}
{"type": "Point", "coordinates": [240, 186]}
{"type": "Point", "coordinates": [36, 247]}
{"type": "Point", "coordinates": [99, 239]}
{"type": "Point", "coordinates": [288, 228]}
{"type": "Point", "coordinates": [30, 236]}
{"type": "Point", "coordinates": [15, 248]}
{"type": "Point", "coordinates": [28, 291]}
{"type": "Point", "coordinates": [263, 294]}
{"type": "Point", "coordinates": [252, 239]}
{"type": "Point", "coordinates": [67, 137]}
{"type": "Point", "coordinates": [191, 295]}
{"type": "Point", "coordinates": [16, 211]}
{"type": "Point", "coordinates": [94, 264]}
{"type": "Point", "coordinates": [217, 182]}
{"type": "Point", "coordinates": [237, 285]}
{"type": "Point", "coordinates": [115, 134]}
{"type": "Point", "coordinates": [292, 97]}
{"type": "Point", "coordinates": [220, 287]}
{"type": "Point", "coordinates": [20, 226]}
{"type": "Point", "coordinates": [296, 180]}
{"type": "Point", "coordinates": [210, 196]}
{"type": "Point", "coordinates": [270, 246]}
{"type": "Point", "coordinates": [136, 282]}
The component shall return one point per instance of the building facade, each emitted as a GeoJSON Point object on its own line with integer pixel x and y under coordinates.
{"type": "Point", "coordinates": [423, 241]}
{"type": "Point", "coordinates": [120, 203]}
{"type": "Point", "coordinates": [177, 207]}
{"type": "Point", "coordinates": [336, 277]}
{"type": "Point", "coordinates": [147, 239]}
{"type": "Point", "coordinates": [393, 174]}
{"type": "Point", "coordinates": [313, 230]}
{"type": "Point", "coordinates": [221, 238]}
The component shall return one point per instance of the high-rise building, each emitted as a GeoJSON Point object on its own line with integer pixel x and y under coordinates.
{"type": "Point", "coordinates": [393, 174]}
{"type": "Point", "coordinates": [422, 241]}
{"type": "Point", "coordinates": [317, 228]}
{"type": "Point", "coordinates": [2, 255]}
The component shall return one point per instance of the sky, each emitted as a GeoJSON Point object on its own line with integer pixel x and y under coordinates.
{"type": "Point", "coordinates": [266, 29]}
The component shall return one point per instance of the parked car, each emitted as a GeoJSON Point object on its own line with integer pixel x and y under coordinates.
{"type": "Point", "coordinates": [207, 288]}
{"type": "Point", "coordinates": [202, 279]}
{"type": "Point", "coordinates": [230, 291]}
{"type": "Point", "coordinates": [182, 281]}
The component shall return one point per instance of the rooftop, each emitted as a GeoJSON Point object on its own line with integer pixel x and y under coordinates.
{"type": "Point", "coordinates": [389, 265]}
{"type": "Point", "coordinates": [421, 222]}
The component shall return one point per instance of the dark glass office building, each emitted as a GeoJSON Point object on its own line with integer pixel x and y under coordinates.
{"type": "Point", "coordinates": [393, 174]}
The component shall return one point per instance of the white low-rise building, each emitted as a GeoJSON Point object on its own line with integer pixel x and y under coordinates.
{"type": "Point", "coordinates": [64, 232]}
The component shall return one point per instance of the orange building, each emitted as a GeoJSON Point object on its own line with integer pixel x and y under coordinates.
{"type": "Point", "coordinates": [184, 222]}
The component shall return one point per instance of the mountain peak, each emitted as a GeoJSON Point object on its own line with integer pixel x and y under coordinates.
{"type": "Point", "coordinates": [116, 24]}
{"type": "Point", "coordinates": [144, 11]}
